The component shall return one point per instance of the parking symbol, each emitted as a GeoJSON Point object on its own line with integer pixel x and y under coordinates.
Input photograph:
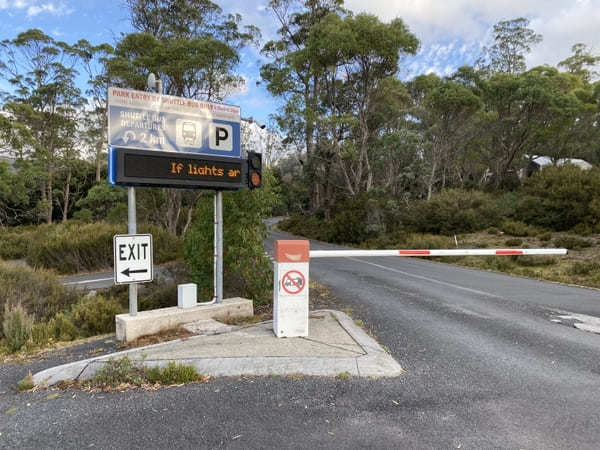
{"type": "Point", "coordinates": [221, 137]}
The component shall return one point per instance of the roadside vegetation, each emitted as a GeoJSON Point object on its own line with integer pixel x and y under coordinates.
{"type": "Point", "coordinates": [557, 207]}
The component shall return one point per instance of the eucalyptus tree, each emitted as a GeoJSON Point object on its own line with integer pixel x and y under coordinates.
{"type": "Point", "coordinates": [94, 60]}
{"type": "Point", "coordinates": [43, 107]}
{"type": "Point", "coordinates": [581, 63]}
{"type": "Point", "coordinates": [513, 41]}
{"type": "Point", "coordinates": [294, 74]}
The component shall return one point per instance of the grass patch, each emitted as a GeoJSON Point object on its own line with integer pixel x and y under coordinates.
{"type": "Point", "coordinates": [123, 373]}
{"type": "Point", "coordinates": [26, 383]}
{"type": "Point", "coordinates": [248, 320]}
{"type": "Point", "coordinates": [343, 376]}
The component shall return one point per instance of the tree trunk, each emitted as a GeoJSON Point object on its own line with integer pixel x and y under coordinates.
{"type": "Point", "coordinates": [49, 197]}
{"type": "Point", "coordinates": [174, 201]}
{"type": "Point", "coordinates": [67, 196]}
{"type": "Point", "coordinates": [98, 161]}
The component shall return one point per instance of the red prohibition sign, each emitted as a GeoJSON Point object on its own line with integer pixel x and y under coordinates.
{"type": "Point", "coordinates": [293, 282]}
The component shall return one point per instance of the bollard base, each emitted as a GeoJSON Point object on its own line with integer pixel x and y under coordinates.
{"type": "Point", "coordinates": [130, 327]}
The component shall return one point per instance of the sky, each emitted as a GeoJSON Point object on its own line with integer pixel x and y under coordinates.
{"type": "Point", "coordinates": [451, 32]}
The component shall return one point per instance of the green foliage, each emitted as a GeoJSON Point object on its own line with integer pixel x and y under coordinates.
{"type": "Point", "coordinates": [117, 372]}
{"type": "Point", "coordinates": [26, 383]}
{"type": "Point", "coordinates": [38, 291]}
{"type": "Point", "coordinates": [247, 271]}
{"type": "Point", "coordinates": [560, 198]}
{"type": "Point", "coordinates": [453, 211]}
{"type": "Point", "coordinates": [95, 315]}
{"type": "Point", "coordinates": [75, 247]}
{"type": "Point", "coordinates": [513, 242]}
{"type": "Point", "coordinates": [572, 242]}
{"type": "Point", "coordinates": [515, 228]}
{"type": "Point", "coordinates": [584, 268]}
{"type": "Point", "coordinates": [101, 198]}
{"type": "Point", "coordinates": [62, 328]}
{"type": "Point", "coordinates": [84, 215]}
{"type": "Point", "coordinates": [173, 373]}
{"type": "Point", "coordinates": [16, 326]}
{"type": "Point", "coordinates": [545, 237]}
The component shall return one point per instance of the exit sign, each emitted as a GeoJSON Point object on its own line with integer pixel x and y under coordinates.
{"type": "Point", "coordinates": [133, 258]}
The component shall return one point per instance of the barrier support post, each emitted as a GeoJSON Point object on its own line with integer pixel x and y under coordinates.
{"type": "Point", "coordinates": [290, 288]}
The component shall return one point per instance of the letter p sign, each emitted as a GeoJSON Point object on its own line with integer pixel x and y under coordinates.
{"type": "Point", "coordinates": [221, 137]}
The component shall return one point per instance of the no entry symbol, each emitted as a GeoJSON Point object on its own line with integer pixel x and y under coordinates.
{"type": "Point", "coordinates": [293, 282]}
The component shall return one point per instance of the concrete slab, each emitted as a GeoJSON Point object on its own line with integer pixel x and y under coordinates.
{"type": "Point", "coordinates": [143, 323]}
{"type": "Point", "coordinates": [335, 344]}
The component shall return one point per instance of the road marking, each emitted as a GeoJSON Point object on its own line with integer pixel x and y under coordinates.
{"type": "Point", "coordinates": [87, 281]}
{"type": "Point", "coordinates": [432, 280]}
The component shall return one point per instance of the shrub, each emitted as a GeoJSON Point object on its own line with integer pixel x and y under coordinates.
{"type": "Point", "coordinates": [118, 371]}
{"type": "Point", "coordinates": [453, 211]}
{"type": "Point", "coordinates": [513, 242]}
{"type": "Point", "coordinates": [584, 268]}
{"type": "Point", "coordinates": [84, 215]}
{"type": "Point", "coordinates": [16, 327]}
{"type": "Point", "coordinates": [38, 291]}
{"type": "Point", "coordinates": [572, 242]}
{"type": "Point", "coordinates": [560, 198]}
{"type": "Point", "coordinates": [246, 270]}
{"type": "Point", "coordinates": [515, 228]}
{"type": "Point", "coordinates": [78, 247]}
{"type": "Point", "coordinates": [61, 328]}
{"type": "Point", "coordinates": [545, 237]}
{"type": "Point", "coordinates": [95, 315]}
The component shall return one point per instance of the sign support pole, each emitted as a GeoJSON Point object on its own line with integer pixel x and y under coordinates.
{"type": "Point", "coordinates": [132, 225]}
{"type": "Point", "coordinates": [219, 246]}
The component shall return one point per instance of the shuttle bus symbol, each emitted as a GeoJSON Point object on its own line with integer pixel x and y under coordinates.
{"type": "Point", "coordinates": [188, 132]}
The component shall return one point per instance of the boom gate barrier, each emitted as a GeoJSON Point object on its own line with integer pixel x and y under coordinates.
{"type": "Point", "coordinates": [291, 266]}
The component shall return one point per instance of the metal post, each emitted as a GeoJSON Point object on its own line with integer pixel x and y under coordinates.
{"type": "Point", "coordinates": [132, 225]}
{"type": "Point", "coordinates": [219, 246]}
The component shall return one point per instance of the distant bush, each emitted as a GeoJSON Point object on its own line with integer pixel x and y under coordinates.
{"type": "Point", "coordinates": [95, 315]}
{"type": "Point", "coordinates": [14, 242]}
{"type": "Point", "coordinates": [545, 237]}
{"type": "Point", "coordinates": [79, 247]}
{"type": "Point", "coordinates": [38, 291]}
{"type": "Point", "coordinates": [513, 242]}
{"type": "Point", "coordinates": [453, 211]}
{"type": "Point", "coordinates": [16, 326]}
{"type": "Point", "coordinates": [584, 268]}
{"type": "Point", "coordinates": [560, 198]}
{"type": "Point", "coordinates": [572, 242]}
{"type": "Point", "coordinates": [515, 228]}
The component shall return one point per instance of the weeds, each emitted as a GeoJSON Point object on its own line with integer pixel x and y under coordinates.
{"type": "Point", "coordinates": [124, 372]}
{"type": "Point", "coordinates": [16, 326]}
{"type": "Point", "coordinates": [26, 383]}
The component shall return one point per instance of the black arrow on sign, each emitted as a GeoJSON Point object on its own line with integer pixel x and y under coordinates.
{"type": "Point", "coordinates": [126, 272]}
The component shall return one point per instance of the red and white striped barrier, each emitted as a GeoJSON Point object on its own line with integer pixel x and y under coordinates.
{"type": "Point", "coordinates": [291, 290]}
{"type": "Point", "coordinates": [457, 252]}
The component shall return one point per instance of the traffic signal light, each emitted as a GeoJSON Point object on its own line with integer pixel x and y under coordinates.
{"type": "Point", "coordinates": [254, 170]}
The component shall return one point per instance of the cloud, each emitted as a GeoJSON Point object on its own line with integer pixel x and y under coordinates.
{"type": "Point", "coordinates": [561, 23]}
{"type": "Point", "coordinates": [33, 8]}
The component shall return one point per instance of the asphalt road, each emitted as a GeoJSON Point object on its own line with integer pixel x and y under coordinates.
{"type": "Point", "coordinates": [486, 368]}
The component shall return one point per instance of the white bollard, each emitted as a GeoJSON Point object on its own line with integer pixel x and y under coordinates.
{"type": "Point", "coordinates": [290, 288]}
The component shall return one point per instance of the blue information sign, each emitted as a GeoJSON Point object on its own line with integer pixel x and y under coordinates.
{"type": "Point", "coordinates": [150, 121]}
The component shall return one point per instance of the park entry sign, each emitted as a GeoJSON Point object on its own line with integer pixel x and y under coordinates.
{"type": "Point", "coordinates": [161, 140]}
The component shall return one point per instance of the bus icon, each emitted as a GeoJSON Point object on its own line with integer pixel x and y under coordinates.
{"type": "Point", "coordinates": [189, 133]}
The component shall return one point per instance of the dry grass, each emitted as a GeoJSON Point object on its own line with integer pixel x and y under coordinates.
{"type": "Point", "coordinates": [162, 336]}
{"type": "Point", "coordinates": [580, 267]}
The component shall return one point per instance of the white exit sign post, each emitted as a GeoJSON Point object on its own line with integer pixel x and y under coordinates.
{"type": "Point", "coordinates": [133, 258]}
